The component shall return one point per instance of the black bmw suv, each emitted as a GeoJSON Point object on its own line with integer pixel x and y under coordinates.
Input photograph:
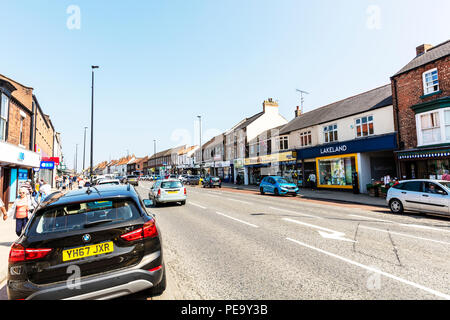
{"type": "Point", "coordinates": [92, 243]}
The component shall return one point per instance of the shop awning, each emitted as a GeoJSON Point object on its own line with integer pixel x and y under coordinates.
{"type": "Point", "coordinates": [423, 154]}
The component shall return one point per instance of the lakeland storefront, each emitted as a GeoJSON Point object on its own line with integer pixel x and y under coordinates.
{"type": "Point", "coordinates": [338, 165]}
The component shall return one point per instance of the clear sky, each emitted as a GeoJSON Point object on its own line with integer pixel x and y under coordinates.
{"type": "Point", "coordinates": [163, 62]}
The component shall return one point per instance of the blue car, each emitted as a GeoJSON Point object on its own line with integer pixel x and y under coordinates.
{"type": "Point", "coordinates": [278, 186]}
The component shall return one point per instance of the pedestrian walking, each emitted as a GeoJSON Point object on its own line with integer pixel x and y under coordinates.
{"type": "Point", "coordinates": [22, 209]}
{"type": "Point", "coordinates": [3, 210]}
{"type": "Point", "coordinates": [46, 190]}
{"type": "Point", "coordinates": [312, 180]}
{"type": "Point", "coordinates": [446, 176]}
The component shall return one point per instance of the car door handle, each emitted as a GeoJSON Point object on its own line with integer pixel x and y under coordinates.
{"type": "Point", "coordinates": [403, 192]}
{"type": "Point", "coordinates": [425, 195]}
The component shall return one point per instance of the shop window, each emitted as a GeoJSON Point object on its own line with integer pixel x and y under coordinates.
{"type": "Point", "coordinates": [4, 110]}
{"type": "Point", "coordinates": [447, 124]}
{"type": "Point", "coordinates": [330, 133]}
{"type": "Point", "coordinates": [305, 139]}
{"type": "Point", "coordinates": [431, 130]}
{"type": "Point", "coordinates": [430, 81]}
{"type": "Point", "coordinates": [364, 127]}
{"type": "Point", "coordinates": [21, 130]}
{"type": "Point", "coordinates": [336, 172]}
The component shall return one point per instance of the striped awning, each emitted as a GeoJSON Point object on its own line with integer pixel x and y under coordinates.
{"type": "Point", "coordinates": [425, 154]}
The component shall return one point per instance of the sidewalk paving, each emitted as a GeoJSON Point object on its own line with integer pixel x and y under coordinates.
{"type": "Point", "coordinates": [326, 195]}
{"type": "Point", "coordinates": [7, 237]}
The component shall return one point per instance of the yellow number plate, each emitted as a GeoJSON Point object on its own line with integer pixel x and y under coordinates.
{"type": "Point", "coordinates": [88, 251]}
{"type": "Point", "coordinates": [172, 191]}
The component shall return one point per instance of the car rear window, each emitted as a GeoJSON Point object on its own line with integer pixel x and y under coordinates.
{"type": "Point", "coordinates": [171, 184]}
{"type": "Point", "coordinates": [79, 216]}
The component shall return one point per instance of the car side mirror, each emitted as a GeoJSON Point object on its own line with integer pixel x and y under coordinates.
{"type": "Point", "coordinates": [148, 203]}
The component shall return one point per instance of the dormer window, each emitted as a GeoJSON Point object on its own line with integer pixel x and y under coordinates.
{"type": "Point", "coordinates": [430, 81]}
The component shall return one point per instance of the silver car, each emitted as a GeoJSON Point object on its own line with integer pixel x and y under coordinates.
{"type": "Point", "coordinates": [168, 190]}
{"type": "Point", "coordinates": [423, 195]}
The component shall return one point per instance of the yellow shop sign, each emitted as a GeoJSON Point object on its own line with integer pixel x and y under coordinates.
{"type": "Point", "coordinates": [272, 158]}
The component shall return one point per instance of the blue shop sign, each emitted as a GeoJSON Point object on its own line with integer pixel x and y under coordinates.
{"type": "Point", "coordinates": [47, 165]}
{"type": "Point", "coordinates": [379, 143]}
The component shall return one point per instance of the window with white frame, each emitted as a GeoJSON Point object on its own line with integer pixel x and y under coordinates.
{"type": "Point", "coordinates": [364, 126]}
{"type": "Point", "coordinates": [22, 118]}
{"type": "Point", "coordinates": [430, 126]}
{"type": "Point", "coordinates": [4, 110]}
{"type": "Point", "coordinates": [283, 143]}
{"type": "Point", "coordinates": [330, 133]}
{"type": "Point", "coordinates": [430, 81]}
{"type": "Point", "coordinates": [305, 138]}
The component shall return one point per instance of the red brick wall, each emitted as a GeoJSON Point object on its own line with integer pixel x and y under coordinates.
{"type": "Point", "coordinates": [14, 126]}
{"type": "Point", "coordinates": [409, 89]}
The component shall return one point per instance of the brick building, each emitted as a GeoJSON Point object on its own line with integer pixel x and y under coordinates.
{"type": "Point", "coordinates": [17, 157]}
{"type": "Point", "coordinates": [421, 95]}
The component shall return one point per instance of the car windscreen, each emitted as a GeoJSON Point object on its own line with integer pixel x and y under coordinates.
{"type": "Point", "coordinates": [446, 184]}
{"type": "Point", "coordinates": [280, 180]}
{"type": "Point", "coordinates": [171, 184]}
{"type": "Point", "coordinates": [80, 216]}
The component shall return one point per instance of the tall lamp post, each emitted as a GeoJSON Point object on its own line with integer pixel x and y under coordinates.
{"type": "Point", "coordinates": [84, 149]}
{"type": "Point", "coordinates": [154, 152]}
{"type": "Point", "coordinates": [92, 124]}
{"type": "Point", "coordinates": [201, 151]}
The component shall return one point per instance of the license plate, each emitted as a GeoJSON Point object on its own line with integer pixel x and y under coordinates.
{"type": "Point", "coordinates": [172, 191]}
{"type": "Point", "coordinates": [88, 251]}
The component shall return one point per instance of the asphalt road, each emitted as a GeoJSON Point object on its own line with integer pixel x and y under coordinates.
{"type": "Point", "coordinates": [226, 244]}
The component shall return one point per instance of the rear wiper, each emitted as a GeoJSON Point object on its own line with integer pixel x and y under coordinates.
{"type": "Point", "coordinates": [94, 223]}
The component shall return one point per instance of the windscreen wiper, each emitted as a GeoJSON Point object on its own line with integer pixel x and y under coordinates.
{"type": "Point", "coordinates": [94, 223]}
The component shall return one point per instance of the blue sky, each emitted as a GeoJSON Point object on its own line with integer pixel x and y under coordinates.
{"type": "Point", "coordinates": [164, 62]}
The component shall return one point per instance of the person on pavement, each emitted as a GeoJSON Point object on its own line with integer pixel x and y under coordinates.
{"type": "Point", "coordinates": [21, 210]}
{"type": "Point", "coordinates": [46, 189]}
{"type": "Point", "coordinates": [3, 210]}
{"type": "Point", "coordinates": [446, 176]}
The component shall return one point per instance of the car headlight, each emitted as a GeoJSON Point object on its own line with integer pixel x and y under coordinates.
{"type": "Point", "coordinates": [283, 189]}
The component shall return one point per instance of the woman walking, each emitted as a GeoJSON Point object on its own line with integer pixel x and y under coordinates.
{"type": "Point", "coordinates": [21, 209]}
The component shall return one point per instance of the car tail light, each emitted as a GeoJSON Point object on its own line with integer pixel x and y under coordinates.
{"type": "Point", "coordinates": [147, 231]}
{"type": "Point", "coordinates": [19, 254]}
{"type": "Point", "coordinates": [159, 192]}
{"type": "Point", "coordinates": [155, 269]}
{"type": "Point", "coordinates": [185, 191]}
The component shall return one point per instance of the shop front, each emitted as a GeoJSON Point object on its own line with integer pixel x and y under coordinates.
{"type": "Point", "coordinates": [350, 164]}
{"type": "Point", "coordinates": [279, 164]}
{"type": "Point", "coordinates": [16, 166]}
{"type": "Point", "coordinates": [424, 163]}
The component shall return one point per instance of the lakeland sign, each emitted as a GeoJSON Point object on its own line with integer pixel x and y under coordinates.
{"type": "Point", "coordinates": [378, 143]}
{"type": "Point", "coordinates": [333, 150]}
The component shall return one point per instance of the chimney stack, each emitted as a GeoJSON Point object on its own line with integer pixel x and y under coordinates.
{"type": "Point", "coordinates": [423, 48]}
{"type": "Point", "coordinates": [298, 112]}
{"type": "Point", "coordinates": [269, 104]}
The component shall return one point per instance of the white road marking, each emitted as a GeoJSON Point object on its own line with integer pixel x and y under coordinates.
{"type": "Point", "coordinates": [405, 235]}
{"type": "Point", "coordinates": [297, 213]}
{"type": "Point", "coordinates": [422, 227]}
{"type": "Point", "coordinates": [374, 270]}
{"type": "Point", "coordinates": [197, 205]}
{"type": "Point", "coordinates": [249, 224]}
{"type": "Point", "coordinates": [330, 234]}
{"type": "Point", "coordinates": [246, 202]}
{"type": "Point", "coordinates": [369, 218]}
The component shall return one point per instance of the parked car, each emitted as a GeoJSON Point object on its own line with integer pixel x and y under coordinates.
{"type": "Point", "coordinates": [168, 190]}
{"type": "Point", "coordinates": [132, 179]}
{"type": "Point", "coordinates": [104, 236]}
{"type": "Point", "coordinates": [212, 182]}
{"type": "Point", "coordinates": [109, 181]}
{"type": "Point", "coordinates": [278, 186]}
{"type": "Point", "coordinates": [421, 195]}
{"type": "Point", "coordinates": [193, 180]}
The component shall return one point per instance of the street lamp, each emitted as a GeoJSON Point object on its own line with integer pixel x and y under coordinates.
{"type": "Point", "coordinates": [201, 152]}
{"type": "Point", "coordinates": [92, 124]}
{"type": "Point", "coordinates": [84, 148]}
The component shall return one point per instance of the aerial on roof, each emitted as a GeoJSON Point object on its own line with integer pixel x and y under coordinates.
{"type": "Point", "coordinates": [370, 100]}
{"type": "Point", "coordinates": [435, 53]}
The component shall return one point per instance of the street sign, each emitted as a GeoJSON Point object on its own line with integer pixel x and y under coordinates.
{"type": "Point", "coordinates": [52, 159]}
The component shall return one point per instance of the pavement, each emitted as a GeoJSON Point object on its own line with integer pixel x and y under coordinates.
{"type": "Point", "coordinates": [7, 237]}
{"type": "Point", "coordinates": [326, 195]}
